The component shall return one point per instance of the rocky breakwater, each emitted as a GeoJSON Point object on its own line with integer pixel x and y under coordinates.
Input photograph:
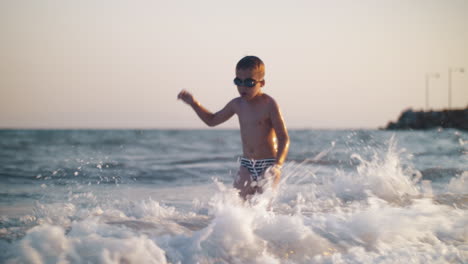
{"type": "Point", "coordinates": [409, 119]}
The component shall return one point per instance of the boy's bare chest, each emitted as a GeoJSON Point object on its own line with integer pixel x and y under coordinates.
{"type": "Point", "coordinates": [254, 117]}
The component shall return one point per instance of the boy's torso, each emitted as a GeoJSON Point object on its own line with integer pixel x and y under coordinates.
{"type": "Point", "coordinates": [257, 134]}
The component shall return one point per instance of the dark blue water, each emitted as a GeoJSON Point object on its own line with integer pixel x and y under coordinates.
{"type": "Point", "coordinates": [165, 156]}
{"type": "Point", "coordinates": [172, 186]}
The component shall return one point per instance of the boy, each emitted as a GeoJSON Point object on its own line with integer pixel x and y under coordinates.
{"type": "Point", "coordinates": [265, 140]}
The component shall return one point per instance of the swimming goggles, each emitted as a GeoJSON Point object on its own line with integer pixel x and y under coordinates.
{"type": "Point", "coordinates": [249, 82]}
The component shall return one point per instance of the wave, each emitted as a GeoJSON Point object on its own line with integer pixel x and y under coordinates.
{"type": "Point", "coordinates": [380, 212]}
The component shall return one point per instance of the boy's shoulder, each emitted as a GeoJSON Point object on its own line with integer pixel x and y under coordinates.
{"type": "Point", "coordinates": [269, 101]}
{"type": "Point", "coordinates": [264, 98]}
{"type": "Point", "coordinates": [268, 98]}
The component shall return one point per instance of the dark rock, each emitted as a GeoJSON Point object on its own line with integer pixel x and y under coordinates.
{"type": "Point", "coordinates": [409, 119]}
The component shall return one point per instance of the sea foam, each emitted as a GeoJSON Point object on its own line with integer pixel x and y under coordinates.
{"type": "Point", "coordinates": [378, 213]}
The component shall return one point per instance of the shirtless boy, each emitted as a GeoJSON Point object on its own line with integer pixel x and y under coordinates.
{"type": "Point", "coordinates": [265, 140]}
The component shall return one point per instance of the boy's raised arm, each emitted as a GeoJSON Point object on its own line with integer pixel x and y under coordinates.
{"type": "Point", "coordinates": [205, 115]}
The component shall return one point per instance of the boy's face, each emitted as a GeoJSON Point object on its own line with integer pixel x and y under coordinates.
{"type": "Point", "coordinates": [248, 93]}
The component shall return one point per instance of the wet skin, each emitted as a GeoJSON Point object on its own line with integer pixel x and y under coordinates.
{"type": "Point", "coordinates": [262, 127]}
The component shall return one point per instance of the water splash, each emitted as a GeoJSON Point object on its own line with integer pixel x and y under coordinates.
{"type": "Point", "coordinates": [377, 213]}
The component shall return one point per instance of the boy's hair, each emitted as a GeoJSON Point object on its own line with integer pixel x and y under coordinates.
{"type": "Point", "coordinates": [251, 63]}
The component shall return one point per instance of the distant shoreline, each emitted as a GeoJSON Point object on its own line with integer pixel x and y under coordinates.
{"type": "Point", "coordinates": [410, 119]}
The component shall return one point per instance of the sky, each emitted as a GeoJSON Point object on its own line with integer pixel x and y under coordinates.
{"type": "Point", "coordinates": [331, 64]}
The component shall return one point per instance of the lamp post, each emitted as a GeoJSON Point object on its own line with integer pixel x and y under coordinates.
{"type": "Point", "coordinates": [450, 70]}
{"type": "Point", "coordinates": [428, 76]}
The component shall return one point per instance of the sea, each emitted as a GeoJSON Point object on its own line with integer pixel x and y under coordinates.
{"type": "Point", "coordinates": [166, 196]}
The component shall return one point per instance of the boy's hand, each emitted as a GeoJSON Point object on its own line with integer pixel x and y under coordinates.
{"type": "Point", "coordinates": [186, 97]}
{"type": "Point", "coordinates": [275, 172]}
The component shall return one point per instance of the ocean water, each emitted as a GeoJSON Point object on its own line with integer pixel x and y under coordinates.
{"type": "Point", "coordinates": [166, 196]}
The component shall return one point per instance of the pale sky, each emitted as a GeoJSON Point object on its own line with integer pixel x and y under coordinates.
{"type": "Point", "coordinates": [329, 64]}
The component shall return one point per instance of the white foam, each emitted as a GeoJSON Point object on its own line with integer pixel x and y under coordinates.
{"type": "Point", "coordinates": [89, 242]}
{"type": "Point", "coordinates": [459, 184]}
{"type": "Point", "coordinates": [375, 214]}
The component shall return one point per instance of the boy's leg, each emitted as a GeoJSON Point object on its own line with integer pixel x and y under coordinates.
{"type": "Point", "coordinates": [243, 183]}
{"type": "Point", "coordinates": [267, 180]}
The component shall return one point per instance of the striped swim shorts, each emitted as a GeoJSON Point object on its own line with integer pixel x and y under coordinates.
{"type": "Point", "coordinates": [256, 167]}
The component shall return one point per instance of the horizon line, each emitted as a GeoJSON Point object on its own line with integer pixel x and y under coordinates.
{"type": "Point", "coordinates": [179, 128]}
